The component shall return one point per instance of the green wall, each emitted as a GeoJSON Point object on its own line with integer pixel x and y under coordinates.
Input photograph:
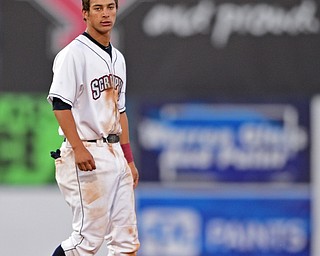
{"type": "Point", "coordinates": [28, 132]}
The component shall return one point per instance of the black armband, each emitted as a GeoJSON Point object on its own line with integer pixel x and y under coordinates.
{"type": "Point", "coordinates": [58, 104]}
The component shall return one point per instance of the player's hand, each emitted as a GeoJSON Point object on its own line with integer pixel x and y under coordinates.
{"type": "Point", "coordinates": [83, 159]}
{"type": "Point", "coordinates": [135, 174]}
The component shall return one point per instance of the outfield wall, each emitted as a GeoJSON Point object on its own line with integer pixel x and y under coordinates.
{"type": "Point", "coordinates": [223, 220]}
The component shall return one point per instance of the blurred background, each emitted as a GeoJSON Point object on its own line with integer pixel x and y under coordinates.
{"type": "Point", "coordinates": [223, 105]}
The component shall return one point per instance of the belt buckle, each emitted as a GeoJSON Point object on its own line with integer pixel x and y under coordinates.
{"type": "Point", "coordinates": [112, 138]}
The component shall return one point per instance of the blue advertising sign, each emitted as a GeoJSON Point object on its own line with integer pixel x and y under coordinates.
{"type": "Point", "coordinates": [232, 223]}
{"type": "Point", "coordinates": [221, 142]}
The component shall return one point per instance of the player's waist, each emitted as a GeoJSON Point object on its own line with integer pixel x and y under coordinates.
{"type": "Point", "coordinates": [111, 138]}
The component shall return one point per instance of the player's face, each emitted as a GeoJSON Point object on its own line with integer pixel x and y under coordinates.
{"type": "Point", "coordinates": [101, 17]}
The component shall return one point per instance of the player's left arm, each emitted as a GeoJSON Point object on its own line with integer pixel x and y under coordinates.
{"type": "Point", "coordinates": [125, 144]}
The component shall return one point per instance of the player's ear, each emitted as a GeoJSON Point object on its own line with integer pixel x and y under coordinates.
{"type": "Point", "coordinates": [84, 15]}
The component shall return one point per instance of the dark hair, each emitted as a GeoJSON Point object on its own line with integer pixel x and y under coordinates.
{"type": "Point", "coordinates": [86, 4]}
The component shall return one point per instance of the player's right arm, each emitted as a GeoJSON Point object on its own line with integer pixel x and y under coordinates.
{"type": "Point", "coordinates": [67, 65]}
{"type": "Point", "coordinates": [83, 158]}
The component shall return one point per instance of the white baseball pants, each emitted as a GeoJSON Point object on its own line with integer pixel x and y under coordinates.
{"type": "Point", "coordinates": [102, 201]}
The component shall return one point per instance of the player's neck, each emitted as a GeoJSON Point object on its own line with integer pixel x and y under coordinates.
{"type": "Point", "coordinates": [103, 39]}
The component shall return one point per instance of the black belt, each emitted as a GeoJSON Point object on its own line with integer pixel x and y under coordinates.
{"type": "Point", "coordinates": [112, 138]}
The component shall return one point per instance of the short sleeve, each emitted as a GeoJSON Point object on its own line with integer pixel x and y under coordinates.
{"type": "Point", "coordinates": [66, 77]}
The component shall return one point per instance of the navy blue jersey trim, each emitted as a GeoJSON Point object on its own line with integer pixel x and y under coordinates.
{"type": "Point", "coordinates": [55, 95]}
{"type": "Point", "coordinates": [58, 104]}
{"type": "Point", "coordinates": [96, 53]}
{"type": "Point", "coordinates": [108, 48]}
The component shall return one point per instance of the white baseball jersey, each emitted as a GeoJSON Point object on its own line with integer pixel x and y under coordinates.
{"type": "Point", "coordinates": [86, 78]}
{"type": "Point", "coordinates": [102, 201]}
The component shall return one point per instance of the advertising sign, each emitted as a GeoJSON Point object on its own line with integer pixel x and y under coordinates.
{"type": "Point", "coordinates": [27, 135]}
{"type": "Point", "coordinates": [225, 142]}
{"type": "Point", "coordinates": [231, 223]}
{"type": "Point", "coordinates": [176, 48]}
{"type": "Point", "coordinates": [223, 48]}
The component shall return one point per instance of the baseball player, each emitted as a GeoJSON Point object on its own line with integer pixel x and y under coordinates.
{"type": "Point", "coordinates": [95, 170]}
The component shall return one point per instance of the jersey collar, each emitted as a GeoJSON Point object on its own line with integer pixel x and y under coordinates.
{"type": "Point", "coordinates": [108, 49]}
